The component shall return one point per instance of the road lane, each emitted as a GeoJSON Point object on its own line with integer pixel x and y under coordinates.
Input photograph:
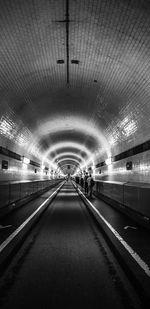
{"type": "Point", "coordinates": [65, 263]}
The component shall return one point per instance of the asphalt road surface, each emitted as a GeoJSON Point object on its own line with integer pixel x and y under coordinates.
{"type": "Point", "coordinates": [66, 263]}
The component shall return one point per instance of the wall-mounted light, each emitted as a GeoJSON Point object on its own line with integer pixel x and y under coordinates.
{"type": "Point", "coordinates": [25, 160]}
{"type": "Point", "coordinates": [108, 161]}
{"type": "Point", "coordinates": [129, 165]}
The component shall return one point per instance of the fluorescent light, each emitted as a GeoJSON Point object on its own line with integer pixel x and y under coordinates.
{"type": "Point", "coordinates": [108, 161]}
{"type": "Point", "coordinates": [26, 160]}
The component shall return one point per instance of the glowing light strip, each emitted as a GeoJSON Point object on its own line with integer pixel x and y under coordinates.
{"type": "Point", "coordinates": [71, 154]}
{"type": "Point", "coordinates": [20, 228]}
{"type": "Point", "coordinates": [74, 124]}
{"type": "Point", "coordinates": [134, 255]}
{"type": "Point", "coordinates": [68, 144]}
{"type": "Point", "coordinates": [68, 159]}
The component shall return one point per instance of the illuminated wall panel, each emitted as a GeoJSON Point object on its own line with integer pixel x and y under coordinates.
{"type": "Point", "coordinates": [17, 170]}
{"type": "Point", "coordinates": [15, 135]}
{"type": "Point", "coordinates": [117, 170]}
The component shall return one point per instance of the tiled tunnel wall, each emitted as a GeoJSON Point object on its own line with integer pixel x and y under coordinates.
{"type": "Point", "coordinates": [117, 170]}
{"type": "Point", "coordinates": [17, 170]}
{"type": "Point", "coordinates": [14, 136]}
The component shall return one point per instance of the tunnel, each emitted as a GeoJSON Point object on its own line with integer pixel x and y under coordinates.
{"type": "Point", "coordinates": [74, 112]}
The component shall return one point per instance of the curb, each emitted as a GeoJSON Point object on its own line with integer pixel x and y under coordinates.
{"type": "Point", "coordinates": [136, 275]}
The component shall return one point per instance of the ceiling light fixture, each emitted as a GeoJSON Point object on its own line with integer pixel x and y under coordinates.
{"type": "Point", "coordinates": [108, 161]}
{"type": "Point", "coordinates": [25, 160]}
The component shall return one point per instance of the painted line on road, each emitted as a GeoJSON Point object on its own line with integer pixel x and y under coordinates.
{"type": "Point", "coordinates": [68, 194]}
{"type": "Point", "coordinates": [134, 255]}
{"type": "Point", "coordinates": [16, 232]}
{"type": "Point", "coordinates": [4, 226]}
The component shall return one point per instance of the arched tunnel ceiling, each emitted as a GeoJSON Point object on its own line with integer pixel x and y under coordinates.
{"type": "Point", "coordinates": [98, 106]}
{"type": "Point", "coordinates": [68, 156]}
{"type": "Point", "coordinates": [68, 161]}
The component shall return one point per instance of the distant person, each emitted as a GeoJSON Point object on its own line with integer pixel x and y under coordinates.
{"type": "Point", "coordinates": [82, 182]}
{"type": "Point", "coordinates": [77, 179]}
{"type": "Point", "coordinates": [90, 182]}
{"type": "Point", "coordinates": [86, 183]}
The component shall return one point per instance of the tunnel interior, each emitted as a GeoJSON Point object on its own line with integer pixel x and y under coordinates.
{"type": "Point", "coordinates": [74, 89]}
{"type": "Point", "coordinates": [74, 102]}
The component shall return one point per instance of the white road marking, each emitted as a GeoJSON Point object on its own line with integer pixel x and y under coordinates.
{"type": "Point", "coordinates": [5, 226]}
{"type": "Point", "coordinates": [134, 255]}
{"type": "Point", "coordinates": [67, 190]}
{"type": "Point", "coordinates": [16, 232]}
{"type": "Point", "coordinates": [130, 227]}
{"type": "Point", "coordinates": [68, 194]}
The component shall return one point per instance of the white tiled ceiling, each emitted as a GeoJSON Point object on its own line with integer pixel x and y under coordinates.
{"type": "Point", "coordinates": [105, 105]}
